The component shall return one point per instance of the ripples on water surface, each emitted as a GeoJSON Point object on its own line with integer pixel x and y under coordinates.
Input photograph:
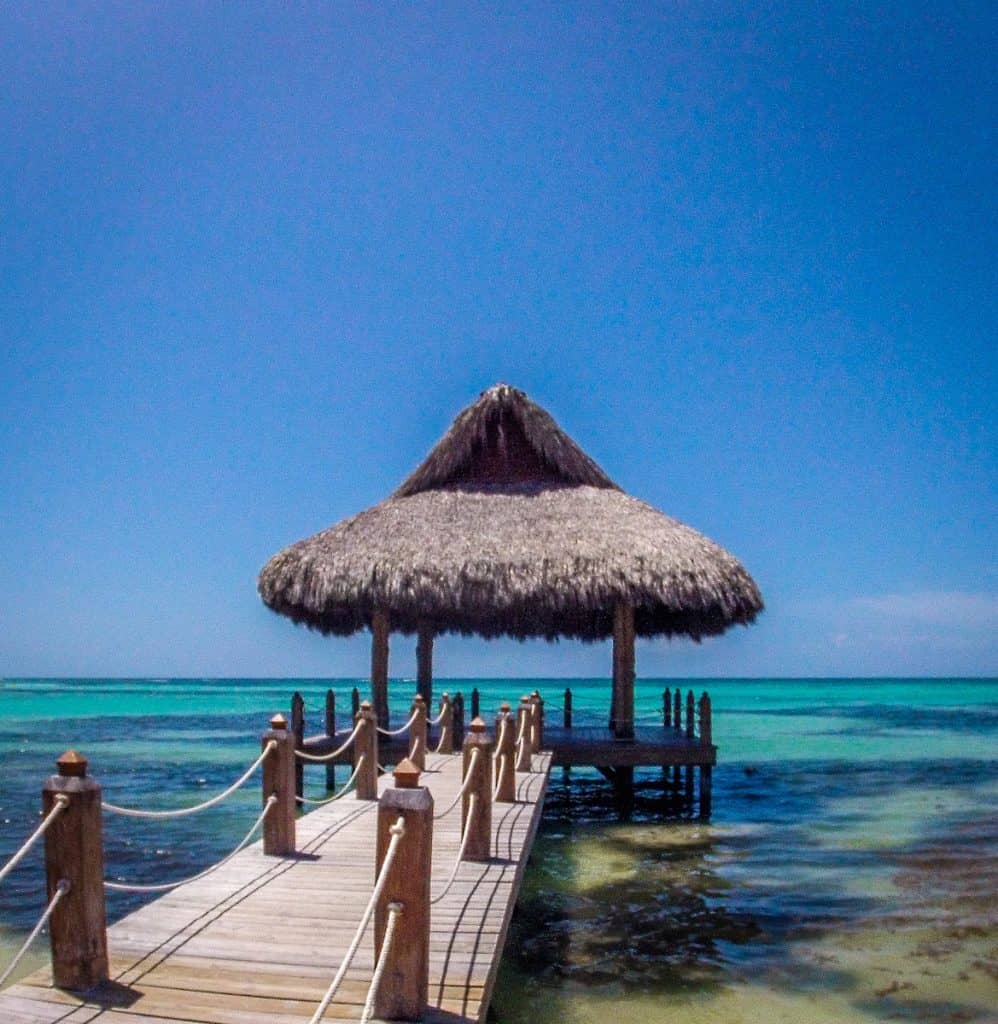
{"type": "Point", "coordinates": [848, 874]}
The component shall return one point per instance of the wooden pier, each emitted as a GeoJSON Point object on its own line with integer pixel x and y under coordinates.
{"type": "Point", "coordinates": [258, 940]}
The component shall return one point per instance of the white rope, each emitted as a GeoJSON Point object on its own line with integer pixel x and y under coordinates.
{"type": "Point", "coordinates": [394, 913]}
{"type": "Point", "coordinates": [498, 779]}
{"type": "Point", "coordinates": [523, 730]}
{"type": "Point", "coordinates": [60, 890]}
{"type": "Point", "coordinates": [133, 812]}
{"type": "Point", "coordinates": [502, 733]}
{"type": "Point", "coordinates": [438, 719]}
{"type": "Point", "coordinates": [465, 785]}
{"type": "Point", "coordinates": [460, 853]}
{"type": "Point", "coordinates": [398, 831]}
{"type": "Point", "coordinates": [414, 750]}
{"type": "Point", "coordinates": [342, 792]}
{"type": "Point", "coordinates": [401, 729]}
{"type": "Point", "coordinates": [443, 736]}
{"type": "Point", "coordinates": [341, 749]}
{"type": "Point", "coordinates": [60, 803]}
{"type": "Point", "coordinates": [167, 886]}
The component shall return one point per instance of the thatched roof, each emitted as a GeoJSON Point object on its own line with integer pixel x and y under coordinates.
{"type": "Point", "coordinates": [508, 527]}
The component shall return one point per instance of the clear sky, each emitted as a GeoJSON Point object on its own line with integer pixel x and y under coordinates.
{"type": "Point", "coordinates": [255, 257]}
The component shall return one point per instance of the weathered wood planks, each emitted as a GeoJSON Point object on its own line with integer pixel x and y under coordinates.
{"type": "Point", "coordinates": [258, 941]}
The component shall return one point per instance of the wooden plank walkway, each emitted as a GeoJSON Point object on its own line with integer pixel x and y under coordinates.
{"type": "Point", "coordinates": [259, 940]}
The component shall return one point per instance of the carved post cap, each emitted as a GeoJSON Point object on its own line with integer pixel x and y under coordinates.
{"type": "Point", "coordinates": [525, 699]}
{"type": "Point", "coordinates": [406, 775]}
{"type": "Point", "coordinates": [504, 707]}
{"type": "Point", "coordinates": [278, 722]}
{"type": "Point", "coordinates": [72, 764]}
{"type": "Point", "coordinates": [477, 725]}
{"type": "Point", "coordinates": [365, 705]}
{"type": "Point", "coordinates": [535, 693]}
{"type": "Point", "coordinates": [418, 699]}
{"type": "Point", "coordinates": [445, 695]}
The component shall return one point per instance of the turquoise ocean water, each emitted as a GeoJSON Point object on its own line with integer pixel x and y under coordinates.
{"type": "Point", "coordinates": [848, 873]}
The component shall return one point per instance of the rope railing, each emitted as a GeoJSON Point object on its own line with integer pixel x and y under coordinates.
{"type": "Point", "coordinates": [472, 806]}
{"type": "Point", "coordinates": [397, 831]}
{"type": "Point", "coordinates": [60, 890]}
{"type": "Point", "coordinates": [341, 749]}
{"type": "Point", "coordinates": [443, 739]}
{"type": "Point", "coordinates": [414, 752]}
{"type": "Point", "coordinates": [438, 719]}
{"type": "Point", "coordinates": [167, 886]}
{"type": "Point", "coordinates": [342, 792]}
{"type": "Point", "coordinates": [469, 778]}
{"type": "Point", "coordinates": [134, 812]}
{"type": "Point", "coordinates": [497, 781]}
{"type": "Point", "coordinates": [401, 729]}
{"type": "Point", "coordinates": [394, 913]}
{"type": "Point", "coordinates": [57, 808]}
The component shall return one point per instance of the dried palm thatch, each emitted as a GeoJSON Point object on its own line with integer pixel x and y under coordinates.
{"type": "Point", "coordinates": [509, 528]}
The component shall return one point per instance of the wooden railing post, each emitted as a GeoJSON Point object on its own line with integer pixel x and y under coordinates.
{"type": "Point", "coordinates": [446, 744]}
{"type": "Point", "coordinates": [366, 746]}
{"type": "Point", "coordinates": [330, 732]}
{"type": "Point", "coordinates": [480, 838]}
{"type": "Point", "coordinates": [505, 755]}
{"type": "Point", "coordinates": [74, 854]}
{"type": "Point", "coordinates": [667, 708]}
{"type": "Point", "coordinates": [298, 730]}
{"type": "Point", "coordinates": [537, 721]}
{"type": "Point", "coordinates": [279, 780]}
{"type": "Point", "coordinates": [690, 719]}
{"type": "Point", "coordinates": [457, 707]}
{"type": "Point", "coordinates": [568, 708]}
{"type": "Point", "coordinates": [523, 750]}
{"type": "Point", "coordinates": [417, 733]}
{"type": "Point", "coordinates": [404, 989]}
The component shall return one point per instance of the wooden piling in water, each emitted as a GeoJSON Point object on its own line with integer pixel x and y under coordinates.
{"type": "Point", "coordinates": [298, 732]}
{"type": "Point", "coordinates": [476, 703]}
{"type": "Point", "coordinates": [677, 711]}
{"type": "Point", "coordinates": [479, 846]}
{"type": "Point", "coordinates": [404, 989]}
{"type": "Point", "coordinates": [279, 780]}
{"type": "Point", "coordinates": [354, 703]}
{"type": "Point", "coordinates": [690, 720]}
{"type": "Point", "coordinates": [457, 706]}
{"type": "Point", "coordinates": [667, 707]}
{"type": "Point", "coordinates": [568, 708]}
{"type": "Point", "coordinates": [74, 854]}
{"type": "Point", "coordinates": [331, 733]}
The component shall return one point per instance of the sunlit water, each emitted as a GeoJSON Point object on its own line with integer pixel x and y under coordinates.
{"type": "Point", "coordinates": [848, 873]}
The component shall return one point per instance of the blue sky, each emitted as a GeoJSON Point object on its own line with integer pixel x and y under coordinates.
{"type": "Point", "coordinates": [255, 257]}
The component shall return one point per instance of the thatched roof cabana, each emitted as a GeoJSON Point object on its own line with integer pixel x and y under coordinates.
{"type": "Point", "coordinates": [509, 528]}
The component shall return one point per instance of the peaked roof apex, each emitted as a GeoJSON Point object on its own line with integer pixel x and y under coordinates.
{"type": "Point", "coordinates": [503, 422]}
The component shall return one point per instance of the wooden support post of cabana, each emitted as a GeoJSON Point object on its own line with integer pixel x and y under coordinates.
{"type": "Point", "coordinates": [424, 662]}
{"type": "Point", "coordinates": [379, 666]}
{"type": "Point", "coordinates": [623, 671]}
